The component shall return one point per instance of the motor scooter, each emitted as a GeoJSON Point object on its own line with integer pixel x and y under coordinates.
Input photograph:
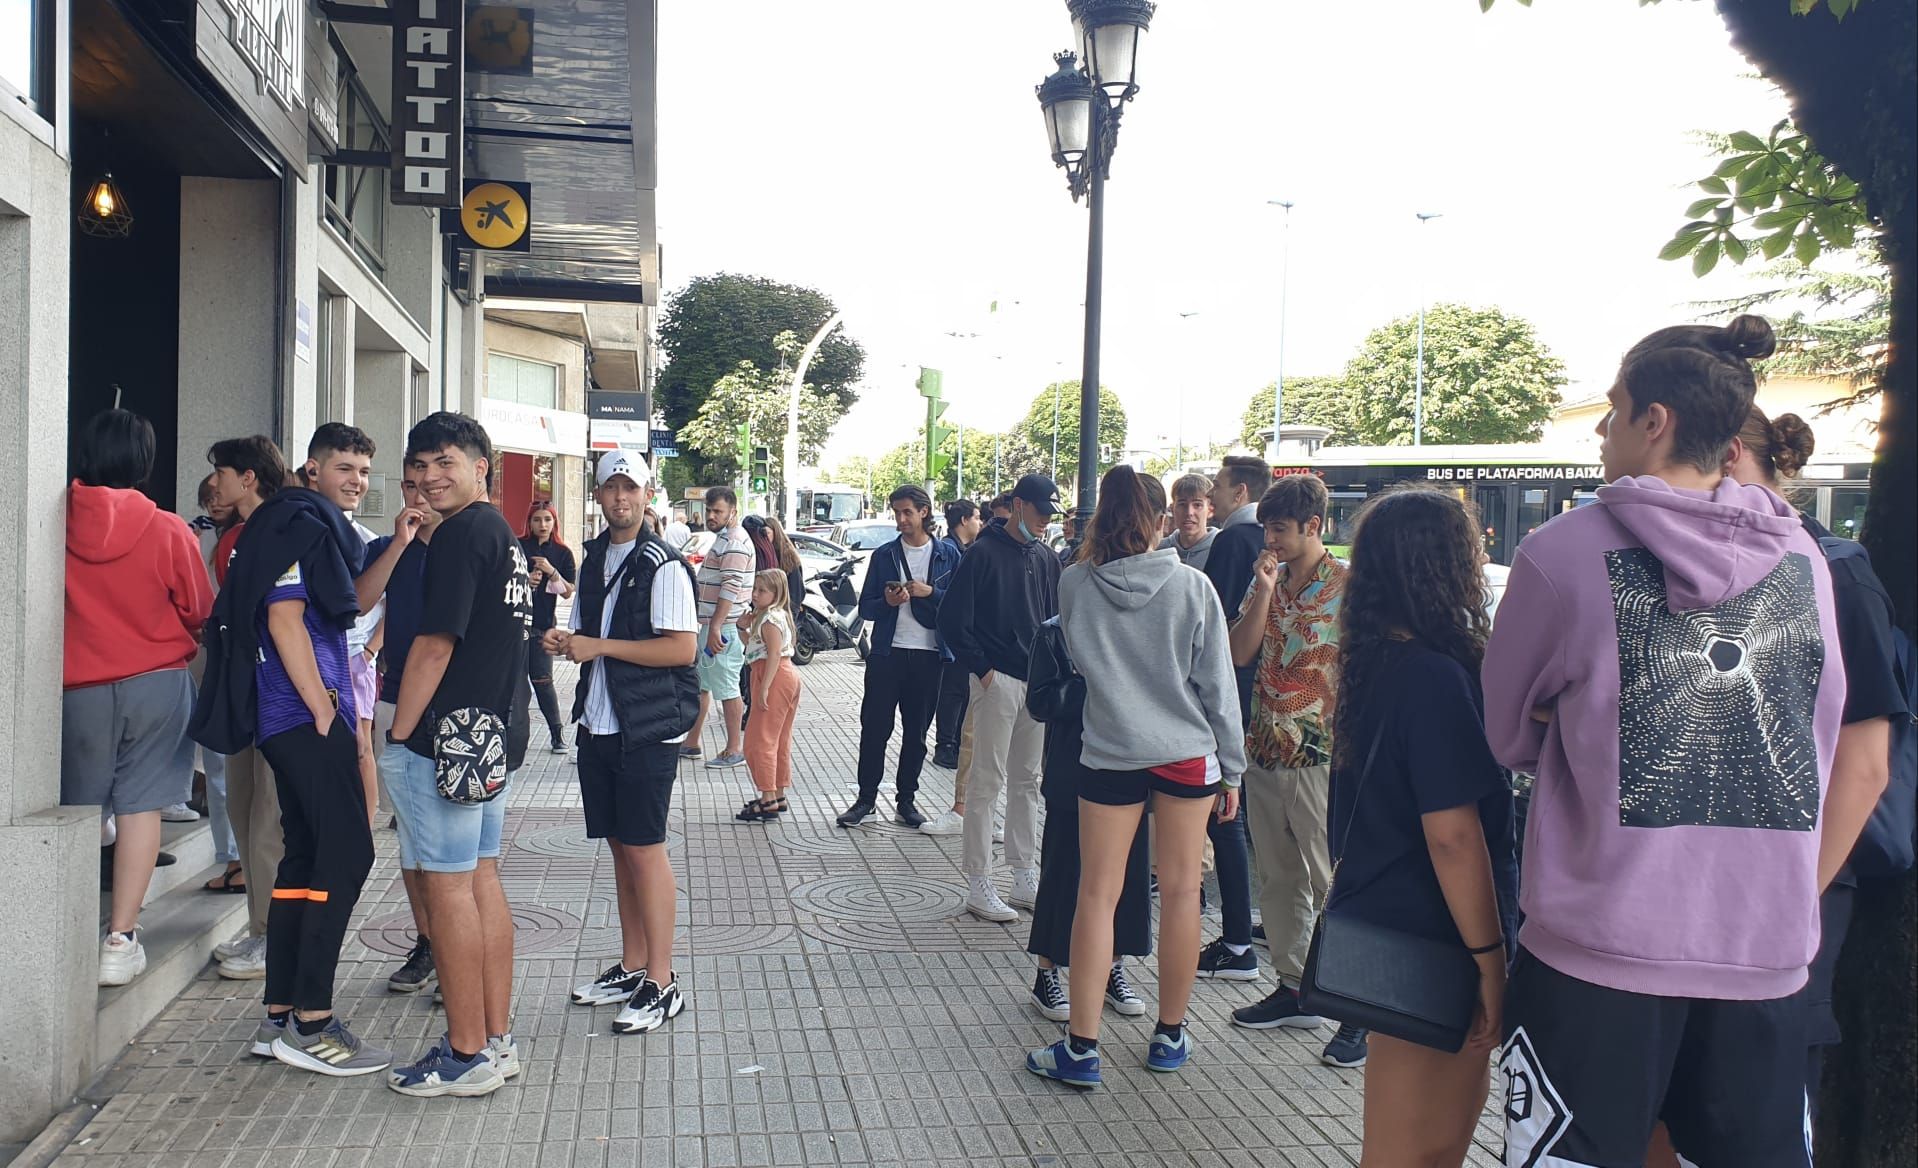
{"type": "Point", "coordinates": [829, 615]}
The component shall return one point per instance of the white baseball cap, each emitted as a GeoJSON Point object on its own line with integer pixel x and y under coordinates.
{"type": "Point", "coordinates": [622, 462]}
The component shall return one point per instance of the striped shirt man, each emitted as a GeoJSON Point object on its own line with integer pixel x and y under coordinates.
{"type": "Point", "coordinates": [726, 574]}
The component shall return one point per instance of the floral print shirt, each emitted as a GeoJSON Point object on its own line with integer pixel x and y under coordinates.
{"type": "Point", "coordinates": [1293, 694]}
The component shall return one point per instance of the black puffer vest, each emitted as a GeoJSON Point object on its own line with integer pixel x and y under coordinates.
{"type": "Point", "coordinates": [653, 704]}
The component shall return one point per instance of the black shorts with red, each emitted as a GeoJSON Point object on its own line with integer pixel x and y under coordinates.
{"type": "Point", "coordinates": [1126, 788]}
{"type": "Point", "coordinates": [1589, 1071]}
{"type": "Point", "coordinates": [626, 793]}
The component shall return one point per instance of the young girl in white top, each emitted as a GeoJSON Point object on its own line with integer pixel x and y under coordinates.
{"type": "Point", "coordinates": [775, 682]}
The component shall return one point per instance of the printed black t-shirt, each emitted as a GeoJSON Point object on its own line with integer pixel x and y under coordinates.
{"type": "Point", "coordinates": [546, 604]}
{"type": "Point", "coordinates": [478, 594]}
{"type": "Point", "coordinates": [1431, 756]}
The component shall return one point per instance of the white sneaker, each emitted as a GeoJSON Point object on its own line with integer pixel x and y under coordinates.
{"type": "Point", "coordinates": [1025, 888]}
{"type": "Point", "coordinates": [944, 823]}
{"type": "Point", "coordinates": [249, 964]}
{"type": "Point", "coordinates": [179, 813]}
{"type": "Point", "coordinates": [983, 902]}
{"type": "Point", "coordinates": [233, 946]}
{"type": "Point", "coordinates": [122, 958]}
{"type": "Point", "coordinates": [505, 1055]}
{"type": "Point", "coordinates": [998, 829]}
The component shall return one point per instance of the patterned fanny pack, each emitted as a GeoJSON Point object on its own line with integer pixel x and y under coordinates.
{"type": "Point", "coordinates": [469, 756]}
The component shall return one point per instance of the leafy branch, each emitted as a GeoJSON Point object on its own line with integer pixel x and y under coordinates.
{"type": "Point", "coordinates": [1770, 195]}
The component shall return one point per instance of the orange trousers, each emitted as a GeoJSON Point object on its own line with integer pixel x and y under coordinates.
{"type": "Point", "coordinates": [769, 735]}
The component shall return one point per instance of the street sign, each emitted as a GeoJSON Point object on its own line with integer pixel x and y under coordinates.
{"type": "Point", "coordinates": [428, 105]}
{"type": "Point", "coordinates": [614, 405]}
{"type": "Point", "coordinates": [495, 215]}
{"type": "Point", "coordinates": [665, 444]}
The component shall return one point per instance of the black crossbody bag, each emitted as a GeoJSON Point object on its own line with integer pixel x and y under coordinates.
{"type": "Point", "coordinates": [1371, 975]}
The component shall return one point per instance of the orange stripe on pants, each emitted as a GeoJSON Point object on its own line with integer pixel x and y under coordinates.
{"type": "Point", "coordinates": [317, 895]}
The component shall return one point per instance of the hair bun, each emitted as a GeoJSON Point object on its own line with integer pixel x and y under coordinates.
{"type": "Point", "coordinates": [1750, 337]}
{"type": "Point", "coordinates": [1792, 444]}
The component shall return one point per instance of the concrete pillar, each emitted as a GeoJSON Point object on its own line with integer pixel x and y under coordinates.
{"type": "Point", "coordinates": [383, 385]}
{"type": "Point", "coordinates": [339, 396]}
{"type": "Point", "coordinates": [49, 854]}
{"type": "Point", "coordinates": [472, 380]}
{"type": "Point", "coordinates": [229, 322]}
{"type": "Point", "coordinates": [300, 403]}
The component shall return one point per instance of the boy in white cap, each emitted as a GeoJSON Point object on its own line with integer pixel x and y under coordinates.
{"type": "Point", "coordinates": [634, 634]}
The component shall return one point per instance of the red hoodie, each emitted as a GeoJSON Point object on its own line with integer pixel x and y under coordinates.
{"type": "Point", "coordinates": [137, 593]}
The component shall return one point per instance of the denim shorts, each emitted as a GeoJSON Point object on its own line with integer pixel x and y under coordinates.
{"type": "Point", "coordinates": [436, 834]}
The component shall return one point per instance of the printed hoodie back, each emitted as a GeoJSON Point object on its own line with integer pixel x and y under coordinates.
{"type": "Point", "coordinates": [137, 592]}
{"type": "Point", "coordinates": [1686, 646]}
{"type": "Point", "coordinates": [1147, 634]}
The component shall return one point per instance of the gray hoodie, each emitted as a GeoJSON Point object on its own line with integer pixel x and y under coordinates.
{"type": "Point", "coordinates": [1195, 555]}
{"type": "Point", "coordinates": [1147, 634]}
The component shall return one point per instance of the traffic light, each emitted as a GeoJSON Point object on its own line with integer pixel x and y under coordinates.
{"type": "Point", "coordinates": [931, 385]}
{"type": "Point", "coordinates": [762, 475]}
{"type": "Point", "coordinates": [743, 434]}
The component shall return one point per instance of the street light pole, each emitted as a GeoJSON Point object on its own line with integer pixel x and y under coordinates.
{"type": "Point", "coordinates": [791, 454]}
{"type": "Point", "coordinates": [1055, 431]}
{"type": "Point", "coordinates": [1089, 377]}
{"type": "Point", "coordinates": [1278, 383]}
{"type": "Point", "coordinates": [1418, 379]}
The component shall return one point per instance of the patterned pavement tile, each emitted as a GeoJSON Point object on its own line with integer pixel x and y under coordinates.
{"type": "Point", "coordinates": [843, 1010]}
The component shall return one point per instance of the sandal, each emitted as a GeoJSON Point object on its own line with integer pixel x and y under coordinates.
{"type": "Point", "coordinates": [761, 810]}
{"type": "Point", "coordinates": [224, 882]}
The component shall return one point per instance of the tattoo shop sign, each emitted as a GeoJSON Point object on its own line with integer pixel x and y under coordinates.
{"type": "Point", "coordinates": [428, 111]}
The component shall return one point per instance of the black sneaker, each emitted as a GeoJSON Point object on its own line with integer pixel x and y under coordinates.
{"type": "Point", "coordinates": [949, 759]}
{"type": "Point", "coordinates": [1218, 960]}
{"type": "Point", "coordinates": [1280, 1008]}
{"type": "Point", "coordinates": [855, 815]}
{"type": "Point", "coordinates": [1347, 1048]}
{"type": "Point", "coordinates": [418, 972]}
{"type": "Point", "coordinates": [614, 986]}
{"type": "Point", "coordinates": [1049, 994]}
{"type": "Point", "coordinates": [909, 816]}
{"type": "Point", "coordinates": [1258, 936]}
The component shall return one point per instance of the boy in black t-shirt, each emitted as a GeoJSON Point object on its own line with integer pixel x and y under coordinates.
{"type": "Point", "coordinates": [469, 655]}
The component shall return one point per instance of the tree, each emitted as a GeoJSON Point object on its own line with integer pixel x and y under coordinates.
{"type": "Point", "coordinates": [1309, 401]}
{"type": "Point", "coordinates": [1036, 428]}
{"type": "Point", "coordinates": [751, 394]}
{"type": "Point", "coordinates": [1846, 335]}
{"type": "Point", "coordinates": [904, 463]}
{"type": "Point", "coordinates": [1488, 378]}
{"type": "Point", "coordinates": [716, 322]}
{"type": "Point", "coordinates": [849, 472]}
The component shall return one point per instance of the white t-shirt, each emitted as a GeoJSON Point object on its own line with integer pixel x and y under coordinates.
{"type": "Point", "coordinates": [363, 626]}
{"type": "Point", "coordinates": [909, 633]}
{"type": "Point", "coordinates": [674, 610]}
{"type": "Point", "coordinates": [781, 620]}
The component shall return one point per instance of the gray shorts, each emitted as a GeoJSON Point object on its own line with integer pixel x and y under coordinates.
{"type": "Point", "coordinates": [125, 745]}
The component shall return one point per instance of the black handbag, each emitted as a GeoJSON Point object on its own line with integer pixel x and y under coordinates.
{"type": "Point", "coordinates": [1366, 974]}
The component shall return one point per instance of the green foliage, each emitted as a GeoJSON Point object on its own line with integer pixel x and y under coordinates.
{"type": "Point", "coordinates": [848, 472]}
{"type": "Point", "coordinates": [749, 394]}
{"type": "Point", "coordinates": [1488, 378]}
{"type": "Point", "coordinates": [1036, 428]}
{"type": "Point", "coordinates": [1770, 196]}
{"type": "Point", "coordinates": [1309, 401]}
{"type": "Point", "coordinates": [1845, 334]}
{"type": "Point", "coordinates": [716, 322]}
{"type": "Point", "coordinates": [906, 463]}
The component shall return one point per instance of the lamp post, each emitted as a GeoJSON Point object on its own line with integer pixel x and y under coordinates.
{"type": "Point", "coordinates": [1082, 104]}
{"type": "Point", "coordinates": [1418, 378]}
{"type": "Point", "coordinates": [1278, 383]}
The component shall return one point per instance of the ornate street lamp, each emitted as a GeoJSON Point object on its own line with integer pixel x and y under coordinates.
{"type": "Point", "coordinates": [1081, 102]}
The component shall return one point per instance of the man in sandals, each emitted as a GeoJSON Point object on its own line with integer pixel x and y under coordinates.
{"type": "Point", "coordinates": [634, 634]}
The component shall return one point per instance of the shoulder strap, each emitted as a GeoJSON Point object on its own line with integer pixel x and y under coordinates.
{"type": "Point", "coordinates": [1365, 773]}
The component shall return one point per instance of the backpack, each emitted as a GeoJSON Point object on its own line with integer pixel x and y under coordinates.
{"type": "Point", "coordinates": [1888, 845]}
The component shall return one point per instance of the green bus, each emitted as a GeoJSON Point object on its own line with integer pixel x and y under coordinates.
{"type": "Point", "coordinates": [1516, 488]}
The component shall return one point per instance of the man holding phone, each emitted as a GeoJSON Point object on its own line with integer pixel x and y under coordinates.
{"type": "Point", "coordinates": [905, 583]}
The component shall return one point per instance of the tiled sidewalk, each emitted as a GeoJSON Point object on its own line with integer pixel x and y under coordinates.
{"type": "Point", "coordinates": [843, 1010]}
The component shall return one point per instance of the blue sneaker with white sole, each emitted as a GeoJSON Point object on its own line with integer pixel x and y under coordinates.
{"type": "Point", "coordinates": [441, 1072]}
{"type": "Point", "coordinates": [1165, 1054]}
{"type": "Point", "coordinates": [1058, 1062]}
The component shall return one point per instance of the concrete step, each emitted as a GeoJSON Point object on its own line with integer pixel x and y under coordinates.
{"type": "Point", "coordinates": [192, 843]}
{"type": "Point", "coordinates": [179, 930]}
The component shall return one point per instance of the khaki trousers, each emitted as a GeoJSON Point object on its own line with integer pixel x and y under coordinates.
{"type": "Point", "coordinates": [253, 808]}
{"type": "Point", "coordinates": [1285, 814]}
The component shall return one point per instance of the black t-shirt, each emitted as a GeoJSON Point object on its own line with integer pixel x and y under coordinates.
{"type": "Point", "coordinates": [1431, 756]}
{"type": "Point", "coordinates": [546, 604]}
{"type": "Point", "coordinates": [1862, 609]}
{"type": "Point", "coordinates": [477, 593]}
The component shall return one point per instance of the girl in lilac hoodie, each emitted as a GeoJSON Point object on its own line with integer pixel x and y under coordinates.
{"type": "Point", "coordinates": [1666, 662]}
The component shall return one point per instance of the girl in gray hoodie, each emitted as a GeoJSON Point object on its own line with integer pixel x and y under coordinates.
{"type": "Point", "coordinates": [1161, 723]}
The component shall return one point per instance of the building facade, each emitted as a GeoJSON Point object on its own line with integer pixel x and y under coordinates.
{"type": "Point", "coordinates": [199, 223]}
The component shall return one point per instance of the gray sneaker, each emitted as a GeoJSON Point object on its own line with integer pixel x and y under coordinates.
{"type": "Point", "coordinates": [248, 964]}
{"type": "Point", "coordinates": [334, 1051]}
{"type": "Point", "coordinates": [265, 1036]}
{"type": "Point", "coordinates": [236, 944]}
{"type": "Point", "coordinates": [726, 760]}
{"type": "Point", "coordinates": [505, 1055]}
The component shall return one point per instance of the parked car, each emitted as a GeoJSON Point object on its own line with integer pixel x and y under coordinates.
{"type": "Point", "coordinates": [816, 554]}
{"type": "Point", "coordinates": [863, 535]}
{"type": "Point", "coordinates": [696, 546]}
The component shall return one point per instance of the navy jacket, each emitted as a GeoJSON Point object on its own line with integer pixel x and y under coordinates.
{"type": "Point", "coordinates": [1002, 591]}
{"type": "Point", "coordinates": [887, 563]}
{"type": "Point", "coordinates": [1234, 550]}
{"type": "Point", "coordinates": [294, 525]}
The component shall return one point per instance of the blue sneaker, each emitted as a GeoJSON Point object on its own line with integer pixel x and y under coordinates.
{"type": "Point", "coordinates": [1166, 1055]}
{"type": "Point", "coordinates": [441, 1072]}
{"type": "Point", "coordinates": [1058, 1062]}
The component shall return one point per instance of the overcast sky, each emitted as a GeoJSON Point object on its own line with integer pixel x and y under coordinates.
{"type": "Point", "coordinates": [892, 155]}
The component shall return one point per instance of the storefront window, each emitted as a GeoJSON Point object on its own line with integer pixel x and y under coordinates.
{"type": "Point", "coordinates": [1848, 511]}
{"type": "Point", "coordinates": [356, 195]}
{"type": "Point", "coordinates": [528, 383]}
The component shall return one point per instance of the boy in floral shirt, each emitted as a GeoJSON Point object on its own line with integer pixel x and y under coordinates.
{"type": "Point", "coordinates": [1289, 624]}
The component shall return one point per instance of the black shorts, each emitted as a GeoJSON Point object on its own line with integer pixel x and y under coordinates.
{"type": "Point", "coordinates": [626, 793]}
{"type": "Point", "coordinates": [1588, 1071]}
{"type": "Point", "coordinates": [1126, 788]}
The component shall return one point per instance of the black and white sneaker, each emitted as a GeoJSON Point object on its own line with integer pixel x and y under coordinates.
{"type": "Point", "coordinates": [652, 1007]}
{"type": "Point", "coordinates": [1120, 995]}
{"type": "Point", "coordinates": [1218, 960]}
{"type": "Point", "coordinates": [1049, 994]}
{"type": "Point", "coordinates": [616, 985]}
